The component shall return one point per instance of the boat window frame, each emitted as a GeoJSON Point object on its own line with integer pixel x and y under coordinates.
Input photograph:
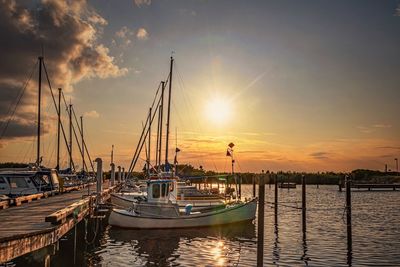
{"type": "Point", "coordinates": [156, 193]}
{"type": "Point", "coordinates": [163, 189]}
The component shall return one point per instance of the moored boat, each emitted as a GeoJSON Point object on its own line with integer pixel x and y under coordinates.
{"type": "Point", "coordinates": [161, 211]}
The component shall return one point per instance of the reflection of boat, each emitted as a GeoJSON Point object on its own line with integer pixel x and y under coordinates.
{"type": "Point", "coordinates": [161, 210]}
{"type": "Point", "coordinates": [287, 185]}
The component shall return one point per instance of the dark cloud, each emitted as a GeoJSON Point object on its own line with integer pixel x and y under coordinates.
{"type": "Point", "coordinates": [320, 155]}
{"type": "Point", "coordinates": [68, 31]}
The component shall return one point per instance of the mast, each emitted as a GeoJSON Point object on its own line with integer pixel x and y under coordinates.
{"type": "Point", "coordinates": [161, 123]}
{"type": "Point", "coordinates": [70, 137]}
{"type": "Point", "coordinates": [83, 150]}
{"type": "Point", "coordinates": [158, 138]}
{"type": "Point", "coordinates": [58, 129]}
{"type": "Point", "coordinates": [112, 154]}
{"type": "Point", "coordinates": [148, 160]}
{"type": "Point", "coordinates": [39, 103]}
{"type": "Point", "coordinates": [168, 114]}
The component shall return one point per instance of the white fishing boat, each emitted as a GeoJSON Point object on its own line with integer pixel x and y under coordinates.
{"type": "Point", "coordinates": [161, 211]}
{"type": "Point", "coordinates": [187, 195]}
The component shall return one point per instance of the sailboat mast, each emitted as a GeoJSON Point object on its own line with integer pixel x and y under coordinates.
{"type": "Point", "coordinates": [70, 137]}
{"type": "Point", "coordinates": [158, 136]}
{"type": "Point", "coordinates": [83, 150]}
{"type": "Point", "coordinates": [168, 115]}
{"type": "Point", "coordinates": [161, 122]}
{"type": "Point", "coordinates": [39, 104]}
{"type": "Point", "coordinates": [58, 129]}
{"type": "Point", "coordinates": [149, 153]}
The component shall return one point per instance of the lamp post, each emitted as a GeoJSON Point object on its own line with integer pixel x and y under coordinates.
{"type": "Point", "coordinates": [397, 166]}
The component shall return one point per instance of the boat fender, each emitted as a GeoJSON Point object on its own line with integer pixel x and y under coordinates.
{"type": "Point", "coordinates": [188, 209]}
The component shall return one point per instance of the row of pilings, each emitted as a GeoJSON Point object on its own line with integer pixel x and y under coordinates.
{"type": "Point", "coordinates": [261, 208]}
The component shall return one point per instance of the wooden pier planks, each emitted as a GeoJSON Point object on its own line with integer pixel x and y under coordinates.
{"type": "Point", "coordinates": [23, 229]}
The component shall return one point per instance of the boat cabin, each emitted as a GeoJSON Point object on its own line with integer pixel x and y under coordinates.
{"type": "Point", "coordinates": [162, 191]}
{"type": "Point", "coordinates": [27, 182]}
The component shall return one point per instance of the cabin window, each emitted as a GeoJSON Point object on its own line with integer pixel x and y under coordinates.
{"type": "Point", "coordinates": [18, 182]}
{"type": "Point", "coordinates": [163, 190]}
{"type": "Point", "coordinates": [156, 190]}
{"type": "Point", "coordinates": [2, 181]}
{"type": "Point", "coordinates": [166, 192]}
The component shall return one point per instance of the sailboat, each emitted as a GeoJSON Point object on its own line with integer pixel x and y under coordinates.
{"type": "Point", "coordinates": [160, 209]}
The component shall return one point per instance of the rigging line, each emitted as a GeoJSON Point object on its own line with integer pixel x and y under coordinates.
{"type": "Point", "coordinates": [133, 162]}
{"type": "Point", "coordinates": [54, 102]}
{"type": "Point", "coordinates": [145, 136]}
{"type": "Point", "coordinates": [21, 93]}
{"type": "Point", "coordinates": [142, 139]}
{"type": "Point", "coordinates": [189, 104]}
{"type": "Point", "coordinates": [80, 132]}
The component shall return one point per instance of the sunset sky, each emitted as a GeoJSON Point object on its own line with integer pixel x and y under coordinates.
{"type": "Point", "coordinates": [295, 85]}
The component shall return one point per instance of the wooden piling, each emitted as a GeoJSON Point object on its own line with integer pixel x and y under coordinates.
{"type": "Point", "coordinates": [276, 194]}
{"type": "Point", "coordinates": [254, 186]}
{"type": "Point", "coordinates": [303, 202]}
{"type": "Point", "coordinates": [348, 213]}
{"type": "Point", "coordinates": [260, 222]}
{"type": "Point", "coordinates": [240, 186]}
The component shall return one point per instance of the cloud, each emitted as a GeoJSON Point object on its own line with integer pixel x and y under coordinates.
{"type": "Point", "coordinates": [140, 3]}
{"type": "Point", "coordinates": [68, 33]}
{"type": "Point", "coordinates": [92, 114]}
{"type": "Point", "coordinates": [397, 11]}
{"type": "Point", "coordinates": [382, 126]}
{"type": "Point", "coordinates": [142, 34]}
{"type": "Point", "coordinates": [320, 155]}
{"type": "Point", "coordinates": [373, 128]}
{"type": "Point", "coordinates": [123, 37]}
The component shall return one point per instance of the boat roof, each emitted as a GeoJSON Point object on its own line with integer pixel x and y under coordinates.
{"type": "Point", "coordinates": [160, 181]}
{"type": "Point", "coordinates": [24, 172]}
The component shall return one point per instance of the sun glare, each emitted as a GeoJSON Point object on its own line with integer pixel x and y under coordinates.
{"type": "Point", "coordinates": [218, 111]}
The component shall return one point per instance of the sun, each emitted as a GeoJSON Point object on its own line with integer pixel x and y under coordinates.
{"type": "Point", "coordinates": [218, 110]}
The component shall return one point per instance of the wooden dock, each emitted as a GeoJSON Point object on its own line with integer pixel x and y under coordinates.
{"type": "Point", "coordinates": [40, 223]}
{"type": "Point", "coordinates": [371, 187]}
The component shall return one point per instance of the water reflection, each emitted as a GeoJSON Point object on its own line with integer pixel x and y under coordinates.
{"type": "Point", "coordinates": [276, 248]}
{"type": "Point", "coordinates": [160, 247]}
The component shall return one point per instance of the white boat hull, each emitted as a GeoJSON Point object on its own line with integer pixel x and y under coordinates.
{"type": "Point", "coordinates": [238, 213]}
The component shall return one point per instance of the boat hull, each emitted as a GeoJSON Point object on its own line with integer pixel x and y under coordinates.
{"type": "Point", "coordinates": [238, 213]}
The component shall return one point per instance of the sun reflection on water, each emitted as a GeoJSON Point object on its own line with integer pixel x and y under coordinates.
{"type": "Point", "coordinates": [218, 254]}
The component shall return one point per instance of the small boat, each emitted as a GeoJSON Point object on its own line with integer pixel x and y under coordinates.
{"type": "Point", "coordinates": [27, 181]}
{"type": "Point", "coordinates": [161, 211]}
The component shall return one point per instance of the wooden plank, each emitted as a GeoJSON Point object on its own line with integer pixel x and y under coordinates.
{"type": "Point", "coordinates": [62, 214]}
{"type": "Point", "coordinates": [4, 204]}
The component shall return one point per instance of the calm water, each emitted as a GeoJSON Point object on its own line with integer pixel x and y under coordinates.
{"type": "Point", "coordinates": [376, 237]}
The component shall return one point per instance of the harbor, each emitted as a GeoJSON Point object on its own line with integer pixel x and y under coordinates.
{"type": "Point", "coordinates": [199, 133]}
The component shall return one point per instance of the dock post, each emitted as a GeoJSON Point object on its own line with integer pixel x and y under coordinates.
{"type": "Point", "coordinates": [276, 195]}
{"type": "Point", "coordinates": [260, 221]}
{"type": "Point", "coordinates": [303, 202]}
{"type": "Point", "coordinates": [112, 174]}
{"type": "Point", "coordinates": [123, 174]}
{"type": "Point", "coordinates": [99, 175]}
{"type": "Point", "coordinates": [254, 186]}
{"type": "Point", "coordinates": [119, 174]}
{"type": "Point", "coordinates": [348, 213]}
{"type": "Point", "coordinates": [240, 186]}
